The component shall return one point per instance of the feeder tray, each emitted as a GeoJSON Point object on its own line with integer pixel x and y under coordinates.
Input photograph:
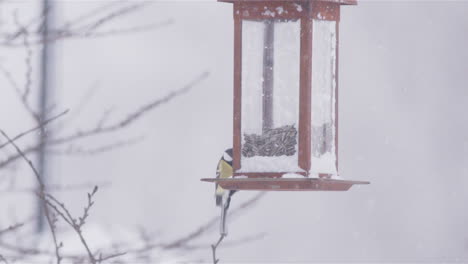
{"type": "Point", "coordinates": [284, 184]}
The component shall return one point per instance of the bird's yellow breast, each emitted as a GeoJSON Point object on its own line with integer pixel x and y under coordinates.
{"type": "Point", "coordinates": [224, 171]}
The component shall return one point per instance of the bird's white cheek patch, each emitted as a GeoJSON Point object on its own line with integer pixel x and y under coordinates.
{"type": "Point", "coordinates": [226, 157]}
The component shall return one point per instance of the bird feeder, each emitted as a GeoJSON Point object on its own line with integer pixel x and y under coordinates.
{"type": "Point", "coordinates": [286, 96]}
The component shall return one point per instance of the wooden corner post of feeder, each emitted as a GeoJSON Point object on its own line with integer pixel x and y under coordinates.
{"type": "Point", "coordinates": [286, 96]}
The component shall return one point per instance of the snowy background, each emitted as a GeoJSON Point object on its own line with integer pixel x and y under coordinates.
{"type": "Point", "coordinates": [403, 126]}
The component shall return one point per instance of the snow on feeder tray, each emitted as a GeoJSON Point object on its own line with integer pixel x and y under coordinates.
{"type": "Point", "coordinates": [286, 96]}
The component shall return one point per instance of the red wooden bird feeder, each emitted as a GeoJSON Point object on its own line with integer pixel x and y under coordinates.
{"type": "Point", "coordinates": [286, 96]}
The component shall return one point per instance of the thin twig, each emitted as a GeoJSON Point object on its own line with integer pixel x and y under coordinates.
{"type": "Point", "coordinates": [102, 259]}
{"type": "Point", "coordinates": [16, 87]}
{"type": "Point", "coordinates": [36, 20]}
{"type": "Point", "coordinates": [223, 232]}
{"type": "Point", "coordinates": [10, 79]}
{"type": "Point", "coordinates": [132, 117]}
{"type": "Point", "coordinates": [28, 62]}
{"type": "Point", "coordinates": [56, 188]}
{"type": "Point", "coordinates": [111, 16]}
{"type": "Point", "coordinates": [15, 157]}
{"type": "Point", "coordinates": [123, 31]}
{"type": "Point", "coordinates": [211, 224]}
{"type": "Point", "coordinates": [29, 70]}
{"type": "Point", "coordinates": [240, 241]}
{"type": "Point", "coordinates": [59, 212]}
{"type": "Point", "coordinates": [124, 122]}
{"type": "Point", "coordinates": [65, 214]}
{"type": "Point", "coordinates": [11, 228]}
{"type": "Point", "coordinates": [41, 194]}
{"type": "Point", "coordinates": [84, 26]}
{"type": "Point", "coordinates": [38, 127]}
{"type": "Point", "coordinates": [73, 150]}
{"type": "Point", "coordinates": [77, 225]}
{"type": "Point", "coordinates": [76, 111]}
{"type": "Point", "coordinates": [87, 208]}
{"type": "Point", "coordinates": [90, 14]}
{"type": "Point", "coordinates": [24, 250]}
{"type": "Point", "coordinates": [215, 246]}
{"type": "Point", "coordinates": [198, 232]}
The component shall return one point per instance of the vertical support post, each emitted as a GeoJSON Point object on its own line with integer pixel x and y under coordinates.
{"type": "Point", "coordinates": [268, 64]}
{"type": "Point", "coordinates": [305, 93]}
{"type": "Point", "coordinates": [237, 139]}
{"type": "Point", "coordinates": [336, 87]}
{"type": "Point", "coordinates": [44, 95]}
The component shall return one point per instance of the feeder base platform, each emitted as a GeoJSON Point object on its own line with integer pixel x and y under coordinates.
{"type": "Point", "coordinates": [284, 184]}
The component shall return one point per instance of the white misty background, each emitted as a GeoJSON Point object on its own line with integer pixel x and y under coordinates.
{"type": "Point", "coordinates": [403, 127]}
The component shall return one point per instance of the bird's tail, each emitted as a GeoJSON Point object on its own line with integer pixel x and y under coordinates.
{"type": "Point", "coordinates": [219, 200]}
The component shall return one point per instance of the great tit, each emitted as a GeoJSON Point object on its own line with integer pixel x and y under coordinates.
{"type": "Point", "coordinates": [224, 171]}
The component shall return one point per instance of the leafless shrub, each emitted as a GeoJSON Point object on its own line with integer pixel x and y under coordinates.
{"type": "Point", "coordinates": [88, 25]}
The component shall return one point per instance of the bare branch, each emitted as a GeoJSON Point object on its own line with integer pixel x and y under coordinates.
{"type": "Point", "coordinates": [209, 225]}
{"type": "Point", "coordinates": [67, 218]}
{"type": "Point", "coordinates": [123, 31]}
{"type": "Point", "coordinates": [240, 241]}
{"type": "Point", "coordinates": [11, 228]}
{"type": "Point", "coordinates": [81, 105]}
{"type": "Point", "coordinates": [2, 259]}
{"type": "Point", "coordinates": [136, 115]}
{"type": "Point", "coordinates": [10, 79]}
{"type": "Point", "coordinates": [102, 259]}
{"type": "Point", "coordinates": [90, 14]}
{"type": "Point", "coordinates": [9, 37]}
{"type": "Point", "coordinates": [65, 214]}
{"type": "Point", "coordinates": [22, 155]}
{"type": "Point", "coordinates": [77, 225]}
{"type": "Point", "coordinates": [223, 232]}
{"type": "Point", "coordinates": [111, 16]}
{"type": "Point", "coordinates": [84, 26]}
{"type": "Point", "coordinates": [32, 251]}
{"type": "Point", "coordinates": [18, 91]}
{"type": "Point", "coordinates": [38, 127]}
{"type": "Point", "coordinates": [128, 120]}
{"type": "Point", "coordinates": [57, 188]}
{"type": "Point", "coordinates": [104, 118]}
{"type": "Point", "coordinates": [41, 194]}
{"type": "Point", "coordinates": [73, 150]}
{"type": "Point", "coordinates": [28, 62]}
{"type": "Point", "coordinates": [215, 246]}
{"type": "Point", "coordinates": [87, 207]}
{"type": "Point", "coordinates": [24, 250]}
{"type": "Point", "coordinates": [15, 157]}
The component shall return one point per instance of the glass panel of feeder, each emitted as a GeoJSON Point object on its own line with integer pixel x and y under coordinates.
{"type": "Point", "coordinates": [252, 76]}
{"type": "Point", "coordinates": [287, 48]}
{"type": "Point", "coordinates": [323, 97]}
{"type": "Point", "coordinates": [270, 96]}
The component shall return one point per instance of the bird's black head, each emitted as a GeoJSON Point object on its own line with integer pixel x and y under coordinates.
{"type": "Point", "coordinates": [227, 156]}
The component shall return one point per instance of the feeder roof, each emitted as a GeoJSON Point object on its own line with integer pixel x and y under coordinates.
{"type": "Point", "coordinates": [341, 2]}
